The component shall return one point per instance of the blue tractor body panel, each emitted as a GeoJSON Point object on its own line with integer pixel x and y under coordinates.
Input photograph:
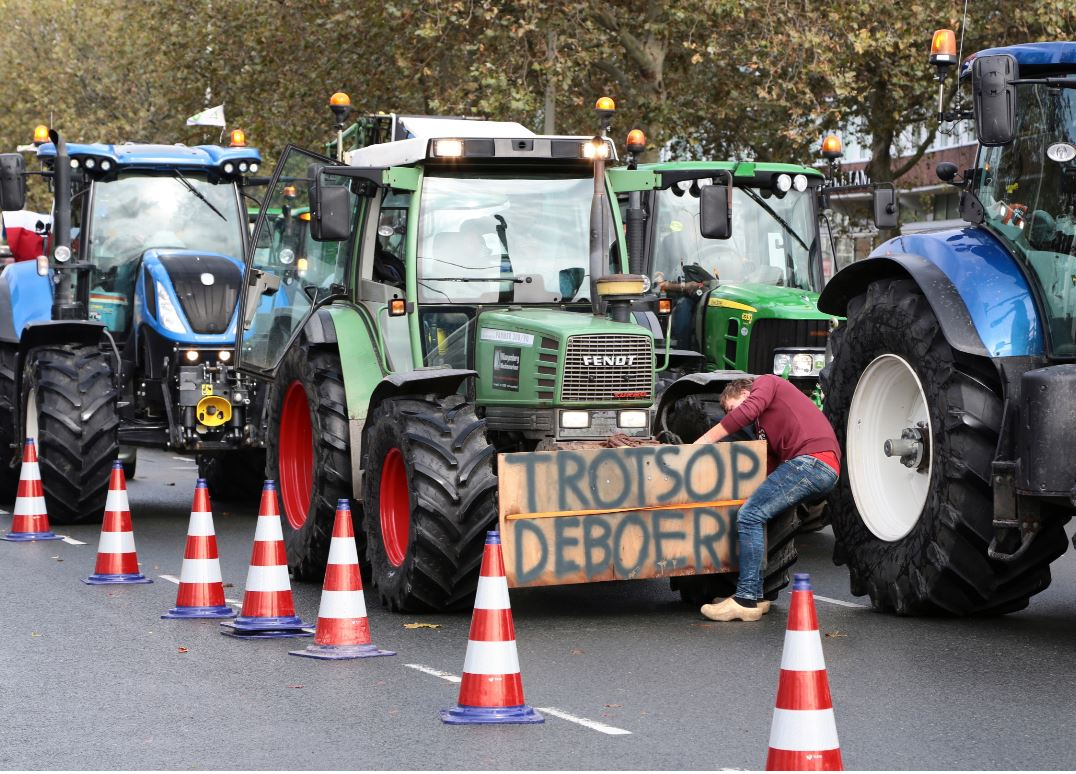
{"type": "Point", "coordinates": [25, 297]}
{"type": "Point", "coordinates": [1053, 54]}
{"type": "Point", "coordinates": [164, 157]}
{"type": "Point", "coordinates": [144, 314]}
{"type": "Point", "coordinates": [995, 291]}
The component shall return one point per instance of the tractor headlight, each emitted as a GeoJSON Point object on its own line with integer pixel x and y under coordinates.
{"type": "Point", "coordinates": [229, 168]}
{"type": "Point", "coordinates": [224, 356]}
{"type": "Point", "coordinates": [191, 356]}
{"type": "Point", "coordinates": [633, 419]}
{"type": "Point", "coordinates": [243, 166]}
{"type": "Point", "coordinates": [799, 363]}
{"type": "Point", "coordinates": [799, 182]}
{"type": "Point", "coordinates": [167, 313]}
{"type": "Point", "coordinates": [782, 361]}
{"type": "Point", "coordinates": [91, 163]}
{"type": "Point", "coordinates": [802, 364]}
{"type": "Point", "coordinates": [575, 419]}
{"type": "Point", "coordinates": [783, 183]}
{"type": "Point", "coordinates": [62, 254]}
{"type": "Point", "coordinates": [253, 167]}
{"type": "Point", "coordinates": [105, 165]}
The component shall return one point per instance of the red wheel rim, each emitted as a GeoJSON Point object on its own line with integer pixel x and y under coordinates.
{"type": "Point", "coordinates": [296, 456]}
{"type": "Point", "coordinates": [395, 507]}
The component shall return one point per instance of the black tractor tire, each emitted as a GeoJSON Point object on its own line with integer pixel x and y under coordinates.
{"type": "Point", "coordinates": [77, 427]}
{"type": "Point", "coordinates": [233, 476]}
{"type": "Point", "coordinates": [688, 419]}
{"type": "Point", "coordinates": [9, 444]}
{"type": "Point", "coordinates": [317, 378]}
{"type": "Point", "coordinates": [450, 497]}
{"type": "Point", "coordinates": [942, 565]}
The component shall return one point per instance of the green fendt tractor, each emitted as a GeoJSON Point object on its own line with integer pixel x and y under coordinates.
{"type": "Point", "coordinates": [461, 292]}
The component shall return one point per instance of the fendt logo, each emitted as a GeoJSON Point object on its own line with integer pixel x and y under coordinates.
{"type": "Point", "coordinates": [608, 360]}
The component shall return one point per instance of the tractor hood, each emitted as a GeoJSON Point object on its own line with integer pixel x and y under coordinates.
{"type": "Point", "coordinates": [767, 301]}
{"type": "Point", "coordinates": [547, 357]}
{"type": "Point", "coordinates": [202, 287]}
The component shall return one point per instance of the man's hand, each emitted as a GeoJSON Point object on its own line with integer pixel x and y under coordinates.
{"type": "Point", "coordinates": [713, 435]}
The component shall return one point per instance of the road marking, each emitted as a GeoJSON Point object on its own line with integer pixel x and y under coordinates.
{"type": "Point", "coordinates": [593, 725]}
{"type": "Point", "coordinates": [435, 672]}
{"type": "Point", "coordinates": [182, 459]}
{"type": "Point", "coordinates": [72, 542]}
{"type": "Point", "coordinates": [840, 602]}
{"type": "Point", "coordinates": [557, 713]}
{"type": "Point", "coordinates": [170, 578]}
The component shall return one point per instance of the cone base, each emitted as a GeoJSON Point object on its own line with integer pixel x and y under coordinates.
{"type": "Point", "coordinates": [254, 623]}
{"type": "Point", "coordinates": [100, 579]}
{"type": "Point", "coordinates": [21, 537]}
{"type": "Point", "coordinates": [342, 651]}
{"type": "Point", "coordinates": [464, 715]}
{"type": "Point", "coordinates": [200, 612]}
{"type": "Point", "coordinates": [254, 628]}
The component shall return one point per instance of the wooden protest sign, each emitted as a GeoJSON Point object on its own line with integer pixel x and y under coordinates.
{"type": "Point", "coordinates": [576, 516]}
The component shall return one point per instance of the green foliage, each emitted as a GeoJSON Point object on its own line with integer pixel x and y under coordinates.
{"type": "Point", "coordinates": [718, 78]}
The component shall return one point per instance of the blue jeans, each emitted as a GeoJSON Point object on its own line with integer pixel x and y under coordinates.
{"type": "Point", "coordinates": [801, 478]}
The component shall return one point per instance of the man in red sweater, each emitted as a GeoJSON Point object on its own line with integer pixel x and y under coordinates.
{"type": "Point", "coordinates": [805, 461]}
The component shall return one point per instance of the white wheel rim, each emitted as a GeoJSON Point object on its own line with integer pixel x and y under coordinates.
{"type": "Point", "coordinates": [31, 416]}
{"type": "Point", "coordinates": [889, 496]}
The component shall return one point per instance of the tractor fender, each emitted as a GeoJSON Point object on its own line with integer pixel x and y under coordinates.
{"type": "Point", "coordinates": [319, 329]}
{"type": "Point", "coordinates": [940, 292]}
{"type": "Point", "coordinates": [443, 381]}
{"type": "Point", "coordinates": [712, 381]}
{"type": "Point", "coordinates": [25, 297]}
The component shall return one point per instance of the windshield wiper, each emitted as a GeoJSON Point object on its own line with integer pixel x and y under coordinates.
{"type": "Point", "coordinates": [187, 184]}
{"type": "Point", "coordinates": [775, 216]}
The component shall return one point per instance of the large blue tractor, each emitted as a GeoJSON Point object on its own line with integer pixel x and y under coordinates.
{"type": "Point", "coordinates": [125, 332]}
{"type": "Point", "coordinates": [953, 384]}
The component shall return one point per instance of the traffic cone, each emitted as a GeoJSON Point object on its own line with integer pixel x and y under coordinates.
{"type": "Point", "coordinates": [29, 520]}
{"type": "Point", "coordinates": [803, 736]}
{"type": "Point", "coordinates": [268, 607]}
{"type": "Point", "coordinates": [492, 688]}
{"type": "Point", "coordinates": [201, 592]}
{"type": "Point", "coordinates": [117, 560]}
{"type": "Point", "coordinates": [343, 630]}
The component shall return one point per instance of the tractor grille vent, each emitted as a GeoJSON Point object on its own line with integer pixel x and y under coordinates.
{"type": "Point", "coordinates": [608, 367]}
{"type": "Point", "coordinates": [768, 335]}
{"type": "Point", "coordinates": [208, 307]}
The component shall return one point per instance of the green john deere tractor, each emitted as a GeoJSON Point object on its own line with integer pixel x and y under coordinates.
{"type": "Point", "coordinates": [463, 294]}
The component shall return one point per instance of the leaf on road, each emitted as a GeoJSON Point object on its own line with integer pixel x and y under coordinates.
{"type": "Point", "coordinates": [614, 705]}
{"type": "Point", "coordinates": [181, 650]}
{"type": "Point", "coordinates": [836, 633]}
{"type": "Point", "coordinates": [296, 686]}
{"type": "Point", "coordinates": [421, 625]}
{"type": "Point", "coordinates": [576, 652]}
{"type": "Point", "coordinates": [35, 634]}
{"type": "Point", "coordinates": [57, 558]}
{"type": "Point", "coordinates": [228, 585]}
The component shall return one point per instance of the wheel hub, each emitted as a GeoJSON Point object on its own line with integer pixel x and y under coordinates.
{"type": "Point", "coordinates": [912, 447]}
{"type": "Point", "coordinates": [295, 460]}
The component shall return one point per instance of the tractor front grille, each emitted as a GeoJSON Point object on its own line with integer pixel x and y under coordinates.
{"type": "Point", "coordinates": [608, 367]}
{"type": "Point", "coordinates": [207, 287]}
{"type": "Point", "coordinates": [768, 335]}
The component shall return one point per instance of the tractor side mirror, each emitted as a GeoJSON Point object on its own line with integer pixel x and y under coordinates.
{"type": "Point", "coordinates": [886, 207]}
{"type": "Point", "coordinates": [715, 211]}
{"type": "Point", "coordinates": [994, 99]}
{"type": "Point", "coordinates": [12, 182]}
{"type": "Point", "coordinates": [330, 209]}
{"type": "Point", "coordinates": [946, 172]}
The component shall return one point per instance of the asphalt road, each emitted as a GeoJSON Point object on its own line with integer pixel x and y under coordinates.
{"type": "Point", "coordinates": [93, 678]}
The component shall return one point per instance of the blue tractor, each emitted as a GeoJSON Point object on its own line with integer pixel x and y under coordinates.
{"type": "Point", "coordinates": [124, 334]}
{"type": "Point", "coordinates": [953, 382]}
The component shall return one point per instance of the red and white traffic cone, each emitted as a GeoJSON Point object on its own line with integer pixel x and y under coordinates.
{"type": "Point", "coordinates": [492, 688]}
{"type": "Point", "coordinates": [30, 521]}
{"type": "Point", "coordinates": [803, 736]}
{"type": "Point", "coordinates": [201, 591]}
{"type": "Point", "coordinates": [268, 606]}
{"type": "Point", "coordinates": [343, 631]}
{"type": "Point", "coordinates": [117, 560]}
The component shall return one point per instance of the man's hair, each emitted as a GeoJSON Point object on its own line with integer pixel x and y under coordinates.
{"type": "Point", "coordinates": [733, 389]}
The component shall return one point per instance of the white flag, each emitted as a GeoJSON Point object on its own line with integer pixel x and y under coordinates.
{"type": "Point", "coordinates": [213, 116]}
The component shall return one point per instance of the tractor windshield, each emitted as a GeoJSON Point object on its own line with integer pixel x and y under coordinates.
{"type": "Point", "coordinates": [139, 211]}
{"type": "Point", "coordinates": [490, 239]}
{"type": "Point", "coordinates": [1028, 189]}
{"type": "Point", "coordinates": [772, 240]}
